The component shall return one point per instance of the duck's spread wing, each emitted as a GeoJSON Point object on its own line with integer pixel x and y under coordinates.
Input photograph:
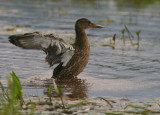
{"type": "Point", "coordinates": [56, 49]}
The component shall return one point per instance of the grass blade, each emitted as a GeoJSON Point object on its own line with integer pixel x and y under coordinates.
{"type": "Point", "coordinates": [17, 85]}
{"type": "Point", "coordinates": [50, 90]}
{"type": "Point", "coordinates": [77, 104]}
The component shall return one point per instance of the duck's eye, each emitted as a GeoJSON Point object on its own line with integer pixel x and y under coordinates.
{"type": "Point", "coordinates": [90, 24]}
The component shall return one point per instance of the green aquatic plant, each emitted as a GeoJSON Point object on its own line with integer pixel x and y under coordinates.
{"type": "Point", "coordinates": [77, 104]}
{"type": "Point", "coordinates": [123, 38]}
{"type": "Point", "coordinates": [136, 3]}
{"type": "Point", "coordinates": [11, 102]}
{"type": "Point", "coordinates": [50, 92]}
{"type": "Point", "coordinates": [17, 86]}
{"type": "Point", "coordinates": [108, 102]}
{"type": "Point", "coordinates": [137, 110]}
{"type": "Point", "coordinates": [106, 21]}
{"type": "Point", "coordinates": [138, 36]}
{"type": "Point", "coordinates": [33, 106]}
{"type": "Point", "coordinates": [59, 91]}
{"type": "Point", "coordinates": [130, 36]}
{"type": "Point", "coordinates": [12, 96]}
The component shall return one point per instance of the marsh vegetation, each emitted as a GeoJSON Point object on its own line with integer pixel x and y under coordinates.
{"type": "Point", "coordinates": [124, 58]}
{"type": "Point", "coordinates": [12, 102]}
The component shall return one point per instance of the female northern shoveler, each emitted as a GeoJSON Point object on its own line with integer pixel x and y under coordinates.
{"type": "Point", "coordinates": [72, 59]}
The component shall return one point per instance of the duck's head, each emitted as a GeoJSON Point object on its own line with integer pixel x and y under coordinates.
{"type": "Point", "coordinates": [84, 23]}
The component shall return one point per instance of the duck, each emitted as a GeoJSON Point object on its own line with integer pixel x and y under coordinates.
{"type": "Point", "coordinates": [71, 59]}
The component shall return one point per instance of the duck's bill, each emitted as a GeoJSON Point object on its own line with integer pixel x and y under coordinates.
{"type": "Point", "coordinates": [96, 26]}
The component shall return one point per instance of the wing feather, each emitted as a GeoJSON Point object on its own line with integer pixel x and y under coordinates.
{"type": "Point", "coordinates": [57, 50]}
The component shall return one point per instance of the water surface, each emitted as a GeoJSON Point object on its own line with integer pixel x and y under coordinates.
{"type": "Point", "coordinates": [121, 72]}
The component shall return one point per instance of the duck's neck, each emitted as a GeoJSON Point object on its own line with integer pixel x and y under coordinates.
{"type": "Point", "coordinates": [81, 41]}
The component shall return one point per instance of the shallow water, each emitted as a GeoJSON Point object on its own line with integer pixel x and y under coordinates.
{"type": "Point", "coordinates": [121, 72]}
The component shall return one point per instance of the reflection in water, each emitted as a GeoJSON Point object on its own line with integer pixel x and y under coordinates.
{"type": "Point", "coordinates": [72, 87]}
{"type": "Point", "coordinates": [75, 87]}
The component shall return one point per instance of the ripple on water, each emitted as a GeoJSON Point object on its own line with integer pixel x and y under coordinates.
{"type": "Point", "coordinates": [123, 71]}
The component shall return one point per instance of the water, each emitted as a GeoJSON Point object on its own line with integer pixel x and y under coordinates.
{"type": "Point", "coordinates": [121, 72]}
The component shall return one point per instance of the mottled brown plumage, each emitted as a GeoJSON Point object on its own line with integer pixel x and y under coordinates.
{"type": "Point", "coordinates": [72, 59]}
{"type": "Point", "coordinates": [82, 51]}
